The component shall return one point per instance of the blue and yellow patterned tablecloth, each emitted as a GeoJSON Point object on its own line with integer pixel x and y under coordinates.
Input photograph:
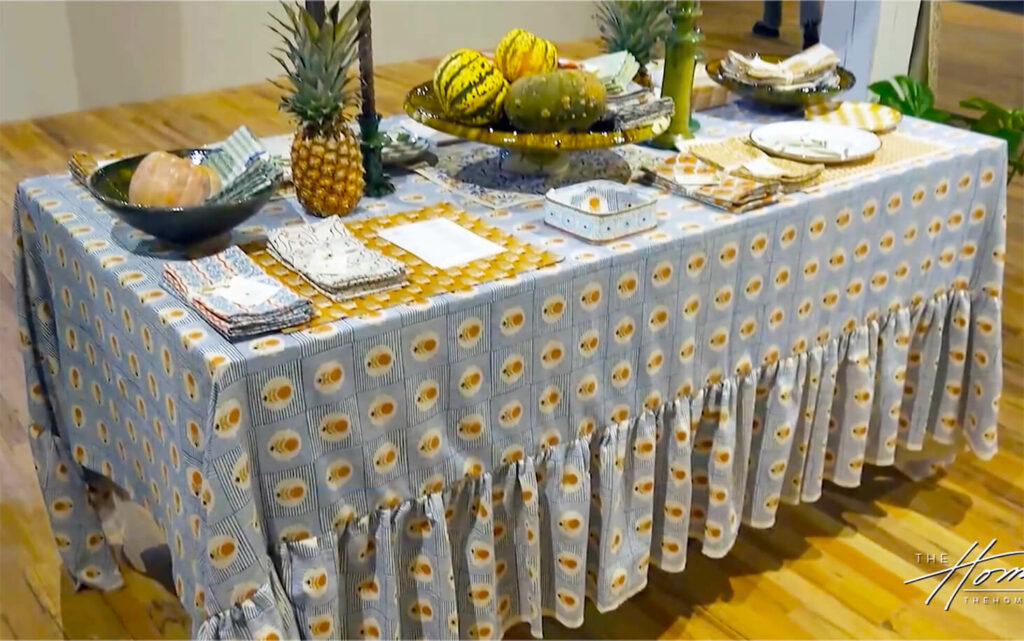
{"type": "Point", "coordinates": [450, 467]}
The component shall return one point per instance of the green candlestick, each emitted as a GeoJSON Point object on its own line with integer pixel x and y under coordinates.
{"type": "Point", "coordinates": [680, 62]}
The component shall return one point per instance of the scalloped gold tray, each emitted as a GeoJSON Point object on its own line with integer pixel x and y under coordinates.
{"type": "Point", "coordinates": [422, 106]}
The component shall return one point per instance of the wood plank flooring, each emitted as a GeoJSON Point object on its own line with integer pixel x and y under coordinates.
{"type": "Point", "coordinates": [829, 570]}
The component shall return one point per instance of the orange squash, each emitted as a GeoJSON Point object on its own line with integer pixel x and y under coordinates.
{"type": "Point", "coordinates": [165, 180]}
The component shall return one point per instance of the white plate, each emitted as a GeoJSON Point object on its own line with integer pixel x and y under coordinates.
{"type": "Point", "coordinates": [815, 141]}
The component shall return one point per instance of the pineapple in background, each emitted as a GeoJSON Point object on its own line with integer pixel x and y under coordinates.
{"type": "Point", "coordinates": [635, 26]}
{"type": "Point", "coordinates": [327, 165]}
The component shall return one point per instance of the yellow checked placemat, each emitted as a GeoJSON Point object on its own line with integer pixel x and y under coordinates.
{"type": "Point", "coordinates": [422, 279]}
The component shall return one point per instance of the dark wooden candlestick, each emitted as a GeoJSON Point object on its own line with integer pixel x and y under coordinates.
{"type": "Point", "coordinates": [377, 183]}
{"type": "Point", "coordinates": [317, 9]}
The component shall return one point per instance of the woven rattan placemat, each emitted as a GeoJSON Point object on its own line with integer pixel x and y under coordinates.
{"type": "Point", "coordinates": [896, 149]}
{"type": "Point", "coordinates": [422, 279]}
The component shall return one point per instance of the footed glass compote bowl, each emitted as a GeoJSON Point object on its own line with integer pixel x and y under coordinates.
{"type": "Point", "coordinates": [784, 98]}
{"type": "Point", "coordinates": [526, 152]}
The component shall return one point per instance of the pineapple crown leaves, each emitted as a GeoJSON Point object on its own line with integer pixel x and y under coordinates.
{"type": "Point", "coordinates": [317, 60]}
{"type": "Point", "coordinates": [635, 26]}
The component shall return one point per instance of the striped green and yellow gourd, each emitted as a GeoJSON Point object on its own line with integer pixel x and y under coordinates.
{"type": "Point", "coordinates": [469, 87]}
{"type": "Point", "coordinates": [521, 53]}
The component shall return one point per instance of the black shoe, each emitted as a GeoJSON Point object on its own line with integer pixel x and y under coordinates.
{"type": "Point", "coordinates": [810, 35]}
{"type": "Point", "coordinates": [763, 30]}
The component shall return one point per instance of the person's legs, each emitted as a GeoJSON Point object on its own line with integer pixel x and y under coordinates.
{"type": "Point", "coordinates": [810, 19]}
{"type": "Point", "coordinates": [810, 12]}
{"type": "Point", "coordinates": [768, 25]}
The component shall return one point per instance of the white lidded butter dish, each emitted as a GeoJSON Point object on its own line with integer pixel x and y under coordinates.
{"type": "Point", "coordinates": [599, 210]}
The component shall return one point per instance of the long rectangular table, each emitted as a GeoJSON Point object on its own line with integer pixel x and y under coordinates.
{"type": "Point", "coordinates": [449, 468]}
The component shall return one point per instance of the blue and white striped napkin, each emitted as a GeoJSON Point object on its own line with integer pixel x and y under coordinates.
{"type": "Point", "coordinates": [244, 166]}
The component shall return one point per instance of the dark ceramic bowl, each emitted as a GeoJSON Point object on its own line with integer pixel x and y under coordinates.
{"type": "Point", "coordinates": [779, 97]}
{"type": "Point", "coordinates": [178, 225]}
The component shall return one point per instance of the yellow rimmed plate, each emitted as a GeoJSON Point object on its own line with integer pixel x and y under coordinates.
{"type": "Point", "coordinates": [868, 116]}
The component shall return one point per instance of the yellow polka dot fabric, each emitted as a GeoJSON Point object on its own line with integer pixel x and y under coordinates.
{"type": "Point", "coordinates": [511, 449]}
{"type": "Point", "coordinates": [862, 115]}
{"type": "Point", "coordinates": [422, 279]}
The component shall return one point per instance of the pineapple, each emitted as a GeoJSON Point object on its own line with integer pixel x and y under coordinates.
{"type": "Point", "coordinates": [327, 165]}
{"type": "Point", "coordinates": [635, 26]}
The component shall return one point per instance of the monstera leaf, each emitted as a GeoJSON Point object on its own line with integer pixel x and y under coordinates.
{"type": "Point", "coordinates": [1007, 124]}
{"type": "Point", "coordinates": [909, 97]}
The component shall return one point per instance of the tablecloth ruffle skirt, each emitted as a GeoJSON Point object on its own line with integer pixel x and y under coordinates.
{"type": "Point", "coordinates": [586, 518]}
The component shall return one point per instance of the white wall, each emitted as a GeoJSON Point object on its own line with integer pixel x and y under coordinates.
{"type": "Point", "coordinates": [23, 62]}
{"type": "Point", "coordinates": [408, 29]}
{"type": "Point", "coordinates": [62, 56]}
{"type": "Point", "coordinates": [873, 39]}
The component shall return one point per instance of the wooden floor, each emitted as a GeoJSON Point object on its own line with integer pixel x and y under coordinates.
{"type": "Point", "coordinates": [833, 569]}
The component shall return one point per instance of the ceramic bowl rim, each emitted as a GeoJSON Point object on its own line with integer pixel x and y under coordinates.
{"type": "Point", "coordinates": [125, 206]}
{"type": "Point", "coordinates": [642, 201]}
{"type": "Point", "coordinates": [756, 92]}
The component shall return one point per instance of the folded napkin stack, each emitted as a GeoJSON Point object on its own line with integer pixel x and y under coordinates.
{"type": "Point", "coordinates": [813, 68]}
{"type": "Point", "coordinates": [235, 296]}
{"type": "Point", "coordinates": [327, 255]}
{"type": "Point", "coordinates": [614, 70]}
{"type": "Point", "coordinates": [737, 157]}
{"type": "Point", "coordinates": [244, 166]}
{"type": "Point", "coordinates": [691, 177]}
{"type": "Point", "coordinates": [638, 109]}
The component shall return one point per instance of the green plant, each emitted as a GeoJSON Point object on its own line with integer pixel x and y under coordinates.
{"type": "Point", "coordinates": [914, 98]}
{"type": "Point", "coordinates": [910, 97]}
{"type": "Point", "coordinates": [1007, 124]}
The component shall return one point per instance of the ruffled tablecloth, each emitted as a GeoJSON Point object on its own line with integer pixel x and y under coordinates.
{"type": "Point", "coordinates": [491, 457]}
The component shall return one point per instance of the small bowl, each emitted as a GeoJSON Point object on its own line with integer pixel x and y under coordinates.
{"type": "Point", "coordinates": [401, 147]}
{"type": "Point", "coordinates": [599, 211]}
{"type": "Point", "coordinates": [178, 225]}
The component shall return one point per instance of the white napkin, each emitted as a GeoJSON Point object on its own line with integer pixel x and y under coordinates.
{"type": "Point", "coordinates": [799, 68]}
{"type": "Point", "coordinates": [333, 260]}
{"type": "Point", "coordinates": [615, 70]}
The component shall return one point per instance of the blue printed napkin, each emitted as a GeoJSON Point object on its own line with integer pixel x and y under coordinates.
{"type": "Point", "coordinates": [235, 296]}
